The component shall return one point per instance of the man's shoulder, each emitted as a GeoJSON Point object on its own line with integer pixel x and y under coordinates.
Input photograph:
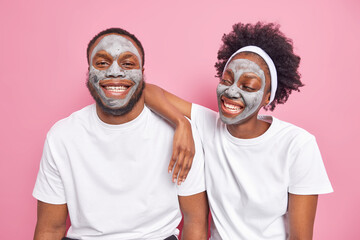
{"type": "Point", "coordinates": [72, 123]}
{"type": "Point", "coordinates": [155, 118]}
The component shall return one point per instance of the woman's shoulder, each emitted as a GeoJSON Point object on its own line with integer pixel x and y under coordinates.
{"type": "Point", "coordinates": [291, 131]}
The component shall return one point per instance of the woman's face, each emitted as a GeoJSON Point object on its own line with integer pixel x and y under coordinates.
{"type": "Point", "coordinates": [241, 89]}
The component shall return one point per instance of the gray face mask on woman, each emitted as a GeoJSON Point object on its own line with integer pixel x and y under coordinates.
{"type": "Point", "coordinates": [250, 100]}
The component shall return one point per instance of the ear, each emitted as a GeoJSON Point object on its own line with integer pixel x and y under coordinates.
{"type": "Point", "coordinates": [267, 98]}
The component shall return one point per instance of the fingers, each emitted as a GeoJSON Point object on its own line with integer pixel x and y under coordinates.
{"type": "Point", "coordinates": [177, 168]}
{"type": "Point", "coordinates": [173, 160]}
{"type": "Point", "coordinates": [186, 166]}
{"type": "Point", "coordinates": [183, 153]}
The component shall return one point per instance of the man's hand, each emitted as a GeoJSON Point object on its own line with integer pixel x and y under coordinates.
{"type": "Point", "coordinates": [183, 152]}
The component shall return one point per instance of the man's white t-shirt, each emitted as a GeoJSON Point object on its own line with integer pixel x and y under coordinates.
{"type": "Point", "coordinates": [248, 180]}
{"type": "Point", "coordinates": [114, 178]}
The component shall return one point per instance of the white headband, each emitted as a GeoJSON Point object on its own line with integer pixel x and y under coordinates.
{"type": "Point", "coordinates": [269, 62]}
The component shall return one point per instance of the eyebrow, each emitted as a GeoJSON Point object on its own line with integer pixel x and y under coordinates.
{"type": "Point", "coordinates": [250, 75]}
{"type": "Point", "coordinates": [127, 55]}
{"type": "Point", "coordinates": [103, 55]}
{"type": "Point", "coordinates": [229, 71]}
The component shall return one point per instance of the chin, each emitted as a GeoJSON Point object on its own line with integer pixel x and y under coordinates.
{"type": "Point", "coordinates": [119, 111]}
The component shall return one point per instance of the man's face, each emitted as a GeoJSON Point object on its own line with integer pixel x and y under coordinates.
{"type": "Point", "coordinates": [241, 90]}
{"type": "Point", "coordinates": [115, 74]}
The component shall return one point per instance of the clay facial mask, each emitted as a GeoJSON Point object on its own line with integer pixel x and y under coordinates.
{"type": "Point", "coordinates": [250, 100]}
{"type": "Point", "coordinates": [115, 45]}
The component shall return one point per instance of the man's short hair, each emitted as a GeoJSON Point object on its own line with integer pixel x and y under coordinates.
{"type": "Point", "coordinates": [115, 31]}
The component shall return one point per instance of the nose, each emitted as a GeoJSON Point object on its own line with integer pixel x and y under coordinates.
{"type": "Point", "coordinates": [115, 71]}
{"type": "Point", "coordinates": [233, 92]}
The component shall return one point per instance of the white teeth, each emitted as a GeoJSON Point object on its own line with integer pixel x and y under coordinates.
{"type": "Point", "coordinates": [232, 107]}
{"type": "Point", "coordinates": [116, 88]}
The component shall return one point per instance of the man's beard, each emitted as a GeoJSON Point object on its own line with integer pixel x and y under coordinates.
{"type": "Point", "coordinates": [118, 111]}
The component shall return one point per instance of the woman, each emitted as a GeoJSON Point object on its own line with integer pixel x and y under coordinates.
{"type": "Point", "coordinates": [263, 175]}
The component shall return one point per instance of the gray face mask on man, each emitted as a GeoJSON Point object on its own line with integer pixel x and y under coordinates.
{"type": "Point", "coordinates": [115, 45]}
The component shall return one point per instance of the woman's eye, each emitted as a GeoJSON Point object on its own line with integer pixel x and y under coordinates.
{"type": "Point", "coordinates": [225, 82]}
{"type": "Point", "coordinates": [249, 88]}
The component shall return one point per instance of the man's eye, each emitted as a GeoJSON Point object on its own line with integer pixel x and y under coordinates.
{"type": "Point", "coordinates": [102, 63]}
{"type": "Point", "coordinates": [127, 64]}
{"type": "Point", "coordinates": [225, 82]}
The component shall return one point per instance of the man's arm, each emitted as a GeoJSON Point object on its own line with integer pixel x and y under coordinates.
{"type": "Point", "coordinates": [174, 109]}
{"type": "Point", "coordinates": [302, 209]}
{"type": "Point", "coordinates": [195, 209]}
{"type": "Point", "coordinates": [51, 221]}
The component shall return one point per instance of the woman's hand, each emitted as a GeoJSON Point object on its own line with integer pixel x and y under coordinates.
{"type": "Point", "coordinates": [174, 109]}
{"type": "Point", "coordinates": [183, 151]}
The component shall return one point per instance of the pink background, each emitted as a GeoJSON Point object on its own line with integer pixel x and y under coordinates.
{"type": "Point", "coordinates": [43, 69]}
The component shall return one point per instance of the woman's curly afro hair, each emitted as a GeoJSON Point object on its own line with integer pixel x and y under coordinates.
{"type": "Point", "coordinates": [280, 49]}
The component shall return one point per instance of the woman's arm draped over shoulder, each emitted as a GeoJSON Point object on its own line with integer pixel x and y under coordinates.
{"type": "Point", "coordinates": [166, 104]}
{"type": "Point", "coordinates": [174, 109]}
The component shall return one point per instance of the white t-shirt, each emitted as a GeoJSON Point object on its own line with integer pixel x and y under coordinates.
{"type": "Point", "coordinates": [248, 180]}
{"type": "Point", "coordinates": [114, 178]}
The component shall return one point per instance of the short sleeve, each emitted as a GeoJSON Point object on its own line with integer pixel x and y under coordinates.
{"type": "Point", "coordinates": [307, 171]}
{"type": "Point", "coordinates": [204, 120]}
{"type": "Point", "coordinates": [49, 187]}
{"type": "Point", "coordinates": [195, 181]}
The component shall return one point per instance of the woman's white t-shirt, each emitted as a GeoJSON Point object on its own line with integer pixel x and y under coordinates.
{"type": "Point", "coordinates": [248, 180]}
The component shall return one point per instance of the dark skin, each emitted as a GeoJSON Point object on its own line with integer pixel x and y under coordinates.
{"type": "Point", "coordinates": [51, 218]}
{"type": "Point", "coordinates": [103, 60]}
{"type": "Point", "coordinates": [251, 126]}
{"type": "Point", "coordinates": [195, 210]}
{"type": "Point", "coordinates": [183, 148]}
{"type": "Point", "coordinates": [302, 208]}
{"type": "Point", "coordinates": [51, 221]}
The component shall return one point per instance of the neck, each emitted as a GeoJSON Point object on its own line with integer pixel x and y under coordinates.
{"type": "Point", "coordinates": [113, 119]}
{"type": "Point", "coordinates": [251, 128]}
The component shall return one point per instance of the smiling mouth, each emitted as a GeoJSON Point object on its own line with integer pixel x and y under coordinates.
{"type": "Point", "coordinates": [116, 88]}
{"type": "Point", "coordinates": [231, 107]}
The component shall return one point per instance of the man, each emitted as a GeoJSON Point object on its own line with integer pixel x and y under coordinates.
{"type": "Point", "coordinates": [106, 165]}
